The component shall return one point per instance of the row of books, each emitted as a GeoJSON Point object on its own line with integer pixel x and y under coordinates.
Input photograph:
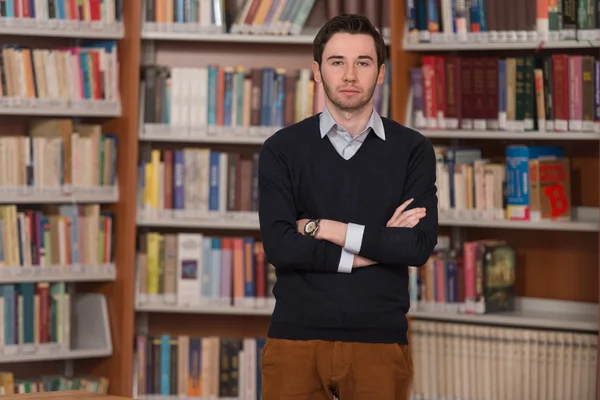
{"type": "Point", "coordinates": [202, 16]}
{"type": "Point", "coordinates": [198, 367]}
{"type": "Point", "coordinates": [272, 17]}
{"type": "Point", "coordinates": [55, 235]}
{"type": "Point", "coordinates": [500, 20]}
{"type": "Point", "coordinates": [55, 153]}
{"type": "Point", "coordinates": [95, 11]}
{"type": "Point", "coordinates": [531, 183]}
{"type": "Point", "coordinates": [463, 361]}
{"type": "Point", "coordinates": [59, 76]}
{"type": "Point", "coordinates": [236, 96]}
{"type": "Point", "coordinates": [34, 314]}
{"type": "Point", "coordinates": [377, 11]}
{"type": "Point", "coordinates": [545, 93]}
{"type": "Point", "coordinates": [478, 278]}
{"type": "Point", "coordinates": [198, 181]}
{"type": "Point", "coordinates": [204, 183]}
{"type": "Point", "coordinates": [9, 384]}
{"type": "Point", "coordinates": [194, 270]}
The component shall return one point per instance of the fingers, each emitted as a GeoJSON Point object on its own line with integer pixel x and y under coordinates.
{"type": "Point", "coordinates": [399, 210]}
{"type": "Point", "coordinates": [406, 215]}
{"type": "Point", "coordinates": [412, 220]}
{"type": "Point", "coordinates": [409, 218]}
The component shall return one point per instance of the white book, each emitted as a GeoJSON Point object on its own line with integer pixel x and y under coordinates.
{"type": "Point", "coordinates": [592, 366]}
{"type": "Point", "coordinates": [189, 268]}
{"type": "Point", "coordinates": [250, 368]}
{"type": "Point", "coordinates": [550, 365]}
{"type": "Point", "coordinates": [568, 366]}
{"type": "Point", "coordinates": [576, 374]}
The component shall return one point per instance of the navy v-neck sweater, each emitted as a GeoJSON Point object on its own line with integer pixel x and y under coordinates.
{"type": "Point", "coordinates": [301, 175]}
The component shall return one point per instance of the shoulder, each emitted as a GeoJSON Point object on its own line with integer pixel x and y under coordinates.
{"type": "Point", "coordinates": [291, 136]}
{"type": "Point", "coordinates": [416, 146]}
{"type": "Point", "coordinates": [408, 136]}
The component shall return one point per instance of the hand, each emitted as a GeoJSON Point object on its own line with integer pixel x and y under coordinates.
{"type": "Point", "coordinates": [360, 262]}
{"type": "Point", "coordinates": [408, 219]}
{"type": "Point", "coordinates": [300, 224]}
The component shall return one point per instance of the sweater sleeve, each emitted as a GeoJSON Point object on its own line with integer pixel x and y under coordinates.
{"type": "Point", "coordinates": [409, 246]}
{"type": "Point", "coordinates": [284, 246]}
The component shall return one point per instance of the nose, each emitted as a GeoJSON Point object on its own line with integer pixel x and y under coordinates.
{"type": "Point", "coordinates": [350, 75]}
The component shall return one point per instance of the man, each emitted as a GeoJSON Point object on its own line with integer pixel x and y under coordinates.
{"type": "Point", "coordinates": [347, 203]}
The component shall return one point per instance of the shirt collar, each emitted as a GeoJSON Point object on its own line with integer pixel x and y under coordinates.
{"type": "Point", "coordinates": [326, 123]}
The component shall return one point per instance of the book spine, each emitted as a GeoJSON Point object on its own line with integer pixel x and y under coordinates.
{"type": "Point", "coordinates": [418, 101]}
{"type": "Point", "coordinates": [502, 92]}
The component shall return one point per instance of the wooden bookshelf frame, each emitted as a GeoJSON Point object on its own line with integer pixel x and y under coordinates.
{"type": "Point", "coordinates": [118, 368]}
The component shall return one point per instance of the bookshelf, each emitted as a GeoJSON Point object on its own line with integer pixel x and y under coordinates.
{"type": "Point", "coordinates": [170, 138]}
{"type": "Point", "coordinates": [566, 252]}
{"type": "Point", "coordinates": [61, 193]}
{"type": "Point", "coordinates": [557, 262]}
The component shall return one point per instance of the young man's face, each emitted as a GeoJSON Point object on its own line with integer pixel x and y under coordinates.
{"type": "Point", "coordinates": [349, 70]}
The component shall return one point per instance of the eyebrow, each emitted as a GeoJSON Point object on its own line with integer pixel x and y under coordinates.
{"type": "Point", "coordinates": [335, 57]}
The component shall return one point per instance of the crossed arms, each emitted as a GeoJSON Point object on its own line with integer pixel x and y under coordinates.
{"type": "Point", "coordinates": [408, 238]}
{"type": "Point", "coordinates": [350, 236]}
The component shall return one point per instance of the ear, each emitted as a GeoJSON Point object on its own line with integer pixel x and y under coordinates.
{"type": "Point", "coordinates": [381, 75]}
{"type": "Point", "coordinates": [316, 72]}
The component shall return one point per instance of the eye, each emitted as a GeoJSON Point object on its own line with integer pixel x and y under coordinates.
{"type": "Point", "coordinates": [337, 63]}
{"type": "Point", "coordinates": [364, 63]}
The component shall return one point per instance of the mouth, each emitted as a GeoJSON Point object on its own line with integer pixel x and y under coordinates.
{"type": "Point", "coordinates": [349, 91]}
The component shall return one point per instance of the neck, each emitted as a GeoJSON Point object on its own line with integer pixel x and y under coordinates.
{"type": "Point", "coordinates": [353, 121]}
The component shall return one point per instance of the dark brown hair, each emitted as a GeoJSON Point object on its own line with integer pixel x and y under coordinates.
{"type": "Point", "coordinates": [348, 23]}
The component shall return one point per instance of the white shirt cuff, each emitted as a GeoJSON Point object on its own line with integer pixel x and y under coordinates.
{"type": "Point", "coordinates": [354, 237]}
{"type": "Point", "coordinates": [346, 261]}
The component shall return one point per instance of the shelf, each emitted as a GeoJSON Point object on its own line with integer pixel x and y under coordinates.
{"type": "Point", "coordinates": [461, 46]}
{"type": "Point", "coordinates": [425, 41]}
{"type": "Point", "coordinates": [208, 309]}
{"type": "Point", "coordinates": [89, 333]}
{"type": "Point", "coordinates": [465, 134]}
{"type": "Point", "coordinates": [529, 313]}
{"type": "Point", "coordinates": [36, 107]}
{"type": "Point", "coordinates": [29, 195]}
{"type": "Point", "coordinates": [151, 32]}
{"type": "Point", "coordinates": [217, 134]}
{"type": "Point", "coordinates": [61, 28]}
{"type": "Point", "coordinates": [176, 397]}
{"type": "Point", "coordinates": [534, 313]}
{"type": "Point", "coordinates": [585, 219]}
{"type": "Point", "coordinates": [45, 352]}
{"type": "Point", "coordinates": [58, 273]}
{"type": "Point", "coordinates": [186, 219]}
{"type": "Point", "coordinates": [257, 135]}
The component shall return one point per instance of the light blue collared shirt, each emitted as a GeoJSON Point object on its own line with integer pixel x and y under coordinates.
{"type": "Point", "coordinates": [347, 146]}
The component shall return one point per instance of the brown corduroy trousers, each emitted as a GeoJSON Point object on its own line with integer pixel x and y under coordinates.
{"type": "Point", "coordinates": [317, 370]}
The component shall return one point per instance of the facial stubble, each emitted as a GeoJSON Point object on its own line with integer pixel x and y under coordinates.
{"type": "Point", "coordinates": [348, 106]}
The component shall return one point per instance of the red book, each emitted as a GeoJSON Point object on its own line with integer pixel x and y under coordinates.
{"type": "Point", "coordinates": [429, 91]}
{"type": "Point", "coordinates": [440, 86]}
{"type": "Point", "coordinates": [560, 95]}
{"type": "Point", "coordinates": [491, 92]}
{"type": "Point", "coordinates": [466, 85]}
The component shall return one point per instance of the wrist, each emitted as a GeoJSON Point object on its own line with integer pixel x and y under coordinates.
{"type": "Point", "coordinates": [332, 231]}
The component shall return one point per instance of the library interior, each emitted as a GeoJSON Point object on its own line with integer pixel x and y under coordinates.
{"type": "Point", "coordinates": [157, 286]}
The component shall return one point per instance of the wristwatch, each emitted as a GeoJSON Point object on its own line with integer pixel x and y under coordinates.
{"type": "Point", "coordinates": [311, 227]}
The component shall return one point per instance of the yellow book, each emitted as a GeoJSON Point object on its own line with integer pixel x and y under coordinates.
{"type": "Point", "coordinates": [155, 160]}
{"type": "Point", "coordinates": [153, 263]}
{"type": "Point", "coordinates": [148, 186]}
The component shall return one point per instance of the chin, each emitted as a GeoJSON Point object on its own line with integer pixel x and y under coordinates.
{"type": "Point", "coordinates": [351, 105]}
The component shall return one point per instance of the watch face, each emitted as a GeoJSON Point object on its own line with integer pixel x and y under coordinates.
{"type": "Point", "coordinates": [310, 226]}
